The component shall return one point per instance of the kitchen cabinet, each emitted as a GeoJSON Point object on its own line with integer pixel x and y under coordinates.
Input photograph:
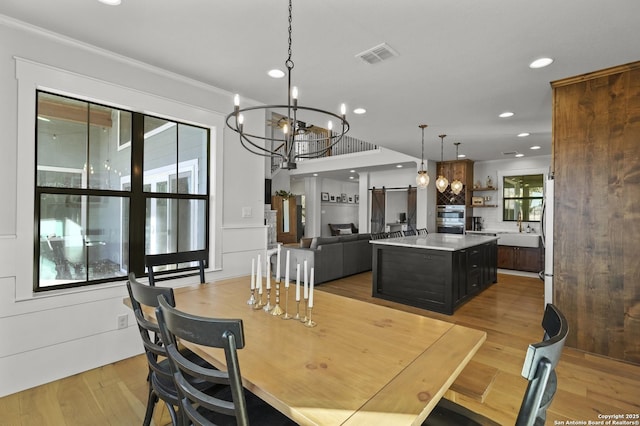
{"type": "Point", "coordinates": [457, 169]}
{"type": "Point", "coordinates": [528, 259]}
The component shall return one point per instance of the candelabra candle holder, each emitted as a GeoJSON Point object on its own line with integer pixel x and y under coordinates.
{"type": "Point", "coordinates": [277, 310]}
{"type": "Point", "coordinates": [267, 307]}
{"type": "Point", "coordinates": [297, 315]}
{"type": "Point", "coordinates": [258, 305]}
{"type": "Point", "coordinates": [305, 319]}
{"type": "Point", "coordinates": [286, 315]}
{"type": "Point", "coordinates": [252, 299]}
{"type": "Point", "coordinates": [309, 322]}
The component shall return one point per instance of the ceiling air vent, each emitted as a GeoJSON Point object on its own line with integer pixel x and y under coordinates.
{"type": "Point", "coordinates": [510, 153]}
{"type": "Point", "coordinates": [377, 54]}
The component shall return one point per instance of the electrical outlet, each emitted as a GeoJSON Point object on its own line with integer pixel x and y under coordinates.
{"type": "Point", "coordinates": [123, 321]}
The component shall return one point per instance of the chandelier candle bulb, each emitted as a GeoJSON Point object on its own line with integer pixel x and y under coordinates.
{"type": "Point", "coordinates": [343, 110]}
{"type": "Point", "coordinates": [236, 102]}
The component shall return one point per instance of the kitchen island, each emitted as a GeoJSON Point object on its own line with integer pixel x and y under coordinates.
{"type": "Point", "coordinates": [437, 272]}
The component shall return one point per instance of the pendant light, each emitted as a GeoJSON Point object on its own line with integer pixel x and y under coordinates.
{"type": "Point", "coordinates": [442, 182]}
{"type": "Point", "coordinates": [456, 185]}
{"type": "Point", "coordinates": [422, 180]}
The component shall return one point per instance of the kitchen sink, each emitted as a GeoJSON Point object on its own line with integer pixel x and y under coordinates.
{"type": "Point", "coordinates": [518, 239]}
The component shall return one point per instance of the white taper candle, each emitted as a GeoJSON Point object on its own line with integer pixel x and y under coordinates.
{"type": "Point", "coordinates": [286, 271]}
{"type": "Point", "coordinates": [253, 274]}
{"type": "Point", "coordinates": [298, 282]}
{"type": "Point", "coordinates": [311, 290]}
{"type": "Point", "coordinates": [278, 264]}
{"type": "Point", "coordinates": [259, 275]}
{"type": "Point", "coordinates": [306, 281]}
{"type": "Point", "coordinates": [268, 274]}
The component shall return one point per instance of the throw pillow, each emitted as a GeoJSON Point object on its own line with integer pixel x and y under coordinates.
{"type": "Point", "coordinates": [345, 231]}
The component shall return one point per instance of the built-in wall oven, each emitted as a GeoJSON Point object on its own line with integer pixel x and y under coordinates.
{"type": "Point", "coordinates": [451, 219]}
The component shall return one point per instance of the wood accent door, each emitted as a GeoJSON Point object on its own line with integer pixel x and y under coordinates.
{"type": "Point", "coordinates": [412, 205]}
{"type": "Point", "coordinates": [596, 159]}
{"type": "Point", "coordinates": [290, 235]}
{"type": "Point", "coordinates": [377, 210]}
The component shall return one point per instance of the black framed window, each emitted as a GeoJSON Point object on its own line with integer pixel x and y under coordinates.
{"type": "Point", "coordinates": [522, 198]}
{"type": "Point", "coordinates": [111, 186]}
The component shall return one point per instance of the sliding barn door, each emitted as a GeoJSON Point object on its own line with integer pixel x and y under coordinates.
{"type": "Point", "coordinates": [412, 204]}
{"type": "Point", "coordinates": [377, 210]}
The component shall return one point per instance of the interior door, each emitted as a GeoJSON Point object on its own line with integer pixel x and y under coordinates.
{"type": "Point", "coordinates": [412, 204]}
{"type": "Point", "coordinates": [377, 210]}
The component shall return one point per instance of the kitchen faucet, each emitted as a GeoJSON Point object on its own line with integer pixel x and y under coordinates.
{"type": "Point", "coordinates": [520, 221]}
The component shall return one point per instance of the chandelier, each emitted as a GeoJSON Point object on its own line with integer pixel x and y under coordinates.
{"type": "Point", "coordinates": [456, 185]}
{"type": "Point", "coordinates": [442, 182]}
{"type": "Point", "coordinates": [289, 148]}
{"type": "Point", "coordinates": [422, 180]}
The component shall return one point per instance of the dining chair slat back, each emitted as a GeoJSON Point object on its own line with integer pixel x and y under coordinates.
{"type": "Point", "coordinates": [174, 260]}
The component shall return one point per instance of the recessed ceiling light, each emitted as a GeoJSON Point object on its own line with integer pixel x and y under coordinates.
{"type": "Point", "coordinates": [518, 155]}
{"type": "Point", "coordinates": [276, 73]}
{"type": "Point", "coordinates": [541, 63]}
{"type": "Point", "coordinates": [352, 171]}
{"type": "Point", "coordinates": [523, 134]}
{"type": "Point", "coordinates": [399, 166]}
{"type": "Point", "coordinates": [359, 111]}
{"type": "Point", "coordinates": [535, 147]}
{"type": "Point", "coordinates": [315, 174]}
{"type": "Point", "coordinates": [506, 114]}
{"type": "Point", "coordinates": [461, 155]}
{"type": "Point", "coordinates": [351, 177]}
{"type": "Point", "coordinates": [110, 2]}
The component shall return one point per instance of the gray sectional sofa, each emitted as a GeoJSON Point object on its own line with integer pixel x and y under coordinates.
{"type": "Point", "coordinates": [331, 257]}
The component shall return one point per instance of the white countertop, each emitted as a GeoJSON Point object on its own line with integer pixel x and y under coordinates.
{"type": "Point", "coordinates": [446, 242]}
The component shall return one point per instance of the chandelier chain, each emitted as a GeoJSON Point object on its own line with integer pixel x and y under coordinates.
{"type": "Point", "coordinates": [289, 63]}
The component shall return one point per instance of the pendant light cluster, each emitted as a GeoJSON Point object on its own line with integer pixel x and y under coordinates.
{"type": "Point", "coordinates": [422, 180]}
{"type": "Point", "coordinates": [442, 182]}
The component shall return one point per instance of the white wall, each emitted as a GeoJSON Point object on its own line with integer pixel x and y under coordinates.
{"type": "Point", "coordinates": [496, 169]}
{"type": "Point", "coordinates": [60, 333]}
{"type": "Point", "coordinates": [337, 212]}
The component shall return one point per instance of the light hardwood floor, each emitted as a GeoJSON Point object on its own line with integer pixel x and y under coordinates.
{"type": "Point", "coordinates": [510, 313]}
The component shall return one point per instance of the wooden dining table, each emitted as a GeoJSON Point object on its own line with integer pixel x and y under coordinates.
{"type": "Point", "coordinates": [362, 364]}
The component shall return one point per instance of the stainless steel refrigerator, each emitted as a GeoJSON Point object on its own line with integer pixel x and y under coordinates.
{"type": "Point", "coordinates": [547, 239]}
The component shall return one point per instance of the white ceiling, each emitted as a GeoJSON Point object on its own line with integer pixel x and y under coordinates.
{"type": "Point", "coordinates": [460, 63]}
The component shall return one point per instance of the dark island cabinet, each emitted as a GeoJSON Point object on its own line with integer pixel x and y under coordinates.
{"type": "Point", "coordinates": [436, 280]}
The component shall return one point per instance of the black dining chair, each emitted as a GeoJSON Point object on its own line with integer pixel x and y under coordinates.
{"type": "Point", "coordinates": [423, 231]}
{"type": "Point", "coordinates": [395, 234]}
{"type": "Point", "coordinates": [172, 261]}
{"type": "Point", "coordinates": [160, 378]}
{"type": "Point", "coordinates": [408, 232]}
{"type": "Point", "coordinates": [539, 369]}
{"type": "Point", "coordinates": [231, 405]}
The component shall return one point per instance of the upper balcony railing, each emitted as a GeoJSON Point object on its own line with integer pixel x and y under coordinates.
{"type": "Point", "coordinates": [347, 145]}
